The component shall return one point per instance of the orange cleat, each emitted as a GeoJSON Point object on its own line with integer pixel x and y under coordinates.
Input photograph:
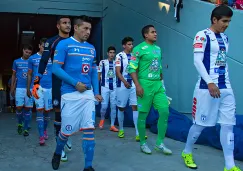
{"type": "Point", "coordinates": [101, 124]}
{"type": "Point", "coordinates": [114, 129]}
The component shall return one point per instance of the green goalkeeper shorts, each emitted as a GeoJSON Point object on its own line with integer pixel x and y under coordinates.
{"type": "Point", "coordinates": [154, 94]}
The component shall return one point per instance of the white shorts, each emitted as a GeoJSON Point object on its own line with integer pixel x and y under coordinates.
{"type": "Point", "coordinates": [207, 111]}
{"type": "Point", "coordinates": [21, 98]}
{"type": "Point", "coordinates": [124, 94]}
{"type": "Point", "coordinates": [107, 95]}
{"type": "Point", "coordinates": [45, 100]}
{"type": "Point", "coordinates": [77, 111]}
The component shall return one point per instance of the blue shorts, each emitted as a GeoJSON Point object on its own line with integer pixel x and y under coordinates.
{"type": "Point", "coordinates": [21, 98]}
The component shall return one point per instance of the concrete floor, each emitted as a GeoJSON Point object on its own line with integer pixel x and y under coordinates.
{"type": "Point", "coordinates": [112, 154]}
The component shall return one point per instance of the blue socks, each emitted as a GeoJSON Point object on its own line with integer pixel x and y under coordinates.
{"type": "Point", "coordinates": [61, 141]}
{"type": "Point", "coordinates": [46, 120]}
{"type": "Point", "coordinates": [27, 116]}
{"type": "Point", "coordinates": [40, 122]}
{"type": "Point", "coordinates": [19, 117]}
{"type": "Point", "coordinates": [88, 147]}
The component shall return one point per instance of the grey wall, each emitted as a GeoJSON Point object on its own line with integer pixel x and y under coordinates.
{"type": "Point", "coordinates": [127, 17]}
{"type": "Point", "coordinates": [58, 7]}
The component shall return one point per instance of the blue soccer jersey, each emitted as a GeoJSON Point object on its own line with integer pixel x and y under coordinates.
{"type": "Point", "coordinates": [20, 66]}
{"type": "Point", "coordinates": [46, 81]}
{"type": "Point", "coordinates": [79, 62]}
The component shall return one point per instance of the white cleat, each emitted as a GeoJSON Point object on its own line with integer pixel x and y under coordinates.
{"type": "Point", "coordinates": [64, 156]}
{"type": "Point", "coordinates": [162, 148]}
{"type": "Point", "coordinates": [145, 149]}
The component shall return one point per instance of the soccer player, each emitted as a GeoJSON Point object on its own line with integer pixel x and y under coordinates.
{"type": "Point", "coordinates": [146, 71]}
{"type": "Point", "coordinates": [107, 75]}
{"type": "Point", "coordinates": [213, 99]}
{"type": "Point", "coordinates": [24, 104]}
{"type": "Point", "coordinates": [45, 94]}
{"type": "Point", "coordinates": [125, 87]}
{"type": "Point", "coordinates": [64, 28]}
{"type": "Point", "coordinates": [75, 64]}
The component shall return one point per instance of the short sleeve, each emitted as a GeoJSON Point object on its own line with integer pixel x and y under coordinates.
{"type": "Point", "coordinates": [118, 60]}
{"type": "Point", "coordinates": [14, 68]}
{"type": "Point", "coordinates": [100, 66]}
{"type": "Point", "coordinates": [30, 64]}
{"type": "Point", "coordinates": [199, 42]}
{"type": "Point", "coordinates": [60, 53]}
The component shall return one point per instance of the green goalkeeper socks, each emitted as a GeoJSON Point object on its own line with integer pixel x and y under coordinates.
{"type": "Point", "coordinates": [162, 124]}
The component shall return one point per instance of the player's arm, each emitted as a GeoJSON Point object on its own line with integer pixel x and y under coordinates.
{"type": "Point", "coordinates": [13, 80]}
{"type": "Point", "coordinates": [118, 71]}
{"type": "Point", "coordinates": [94, 78]}
{"type": "Point", "coordinates": [29, 76]}
{"type": "Point", "coordinates": [100, 70]}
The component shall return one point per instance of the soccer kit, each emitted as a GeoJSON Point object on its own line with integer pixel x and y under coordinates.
{"type": "Point", "coordinates": [147, 62]}
{"type": "Point", "coordinates": [108, 90]}
{"type": "Point", "coordinates": [206, 110]}
{"type": "Point", "coordinates": [76, 62]}
{"type": "Point", "coordinates": [20, 66]}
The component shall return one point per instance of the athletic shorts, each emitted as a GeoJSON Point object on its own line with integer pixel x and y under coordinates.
{"type": "Point", "coordinates": [56, 91]}
{"type": "Point", "coordinates": [77, 111]}
{"type": "Point", "coordinates": [154, 94]}
{"type": "Point", "coordinates": [207, 111]}
{"type": "Point", "coordinates": [45, 100]}
{"type": "Point", "coordinates": [123, 95]}
{"type": "Point", "coordinates": [107, 95]}
{"type": "Point", "coordinates": [21, 98]}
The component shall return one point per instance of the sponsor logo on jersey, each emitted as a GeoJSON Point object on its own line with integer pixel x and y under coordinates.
{"type": "Point", "coordinates": [198, 45]}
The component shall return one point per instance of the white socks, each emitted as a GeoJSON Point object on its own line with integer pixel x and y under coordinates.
{"type": "Point", "coordinates": [113, 114]}
{"type": "Point", "coordinates": [120, 119]}
{"type": "Point", "coordinates": [135, 121]}
{"type": "Point", "coordinates": [103, 111]}
{"type": "Point", "coordinates": [227, 142]}
{"type": "Point", "coordinates": [192, 137]}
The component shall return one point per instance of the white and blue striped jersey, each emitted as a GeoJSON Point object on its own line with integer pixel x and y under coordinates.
{"type": "Point", "coordinates": [108, 73]}
{"type": "Point", "coordinates": [122, 60]}
{"type": "Point", "coordinates": [214, 48]}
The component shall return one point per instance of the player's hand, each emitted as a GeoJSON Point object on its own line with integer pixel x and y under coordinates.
{"type": "Point", "coordinates": [29, 93]}
{"type": "Point", "coordinates": [37, 80]}
{"type": "Point", "coordinates": [81, 87]}
{"type": "Point", "coordinates": [139, 91]}
{"type": "Point", "coordinates": [213, 90]}
{"type": "Point", "coordinates": [127, 85]}
{"type": "Point", "coordinates": [35, 89]}
{"type": "Point", "coordinates": [98, 98]}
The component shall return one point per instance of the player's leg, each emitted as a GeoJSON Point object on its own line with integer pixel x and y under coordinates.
{"type": "Point", "coordinates": [87, 125]}
{"type": "Point", "coordinates": [27, 113]}
{"type": "Point", "coordinates": [104, 105]}
{"type": "Point", "coordinates": [122, 95]}
{"type": "Point", "coordinates": [227, 121]}
{"type": "Point", "coordinates": [113, 110]}
{"type": "Point", "coordinates": [204, 114]}
{"type": "Point", "coordinates": [161, 103]}
{"type": "Point", "coordinates": [48, 107]}
{"type": "Point", "coordinates": [19, 101]}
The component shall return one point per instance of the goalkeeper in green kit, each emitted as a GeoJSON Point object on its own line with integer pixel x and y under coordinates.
{"type": "Point", "coordinates": [145, 68]}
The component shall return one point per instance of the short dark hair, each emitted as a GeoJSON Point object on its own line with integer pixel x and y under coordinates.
{"type": "Point", "coordinates": [43, 40]}
{"type": "Point", "coordinates": [220, 12]}
{"type": "Point", "coordinates": [61, 17]}
{"type": "Point", "coordinates": [127, 39]}
{"type": "Point", "coordinates": [83, 18]}
{"type": "Point", "coordinates": [145, 29]}
{"type": "Point", "coordinates": [27, 47]}
{"type": "Point", "coordinates": [111, 48]}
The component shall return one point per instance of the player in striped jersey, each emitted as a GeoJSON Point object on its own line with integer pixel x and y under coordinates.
{"type": "Point", "coordinates": [214, 100]}
{"type": "Point", "coordinates": [107, 76]}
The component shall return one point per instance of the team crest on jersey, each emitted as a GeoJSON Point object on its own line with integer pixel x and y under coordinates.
{"type": "Point", "coordinates": [85, 68]}
{"type": "Point", "coordinates": [203, 118]}
{"type": "Point", "coordinates": [55, 102]}
{"type": "Point", "coordinates": [46, 44]}
{"type": "Point", "coordinates": [92, 51]}
{"type": "Point", "coordinates": [24, 75]}
{"type": "Point", "coordinates": [69, 128]}
{"type": "Point", "coordinates": [110, 74]}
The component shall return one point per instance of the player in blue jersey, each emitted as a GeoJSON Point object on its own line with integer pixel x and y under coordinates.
{"type": "Point", "coordinates": [214, 100]}
{"type": "Point", "coordinates": [20, 69]}
{"type": "Point", "coordinates": [75, 64]}
{"type": "Point", "coordinates": [44, 103]}
{"type": "Point", "coordinates": [64, 28]}
{"type": "Point", "coordinates": [107, 76]}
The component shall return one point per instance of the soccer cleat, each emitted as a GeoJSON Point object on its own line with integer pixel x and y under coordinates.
{"type": "Point", "coordinates": [89, 169]}
{"type": "Point", "coordinates": [145, 149]}
{"type": "Point", "coordinates": [68, 145]}
{"type": "Point", "coordinates": [26, 133]}
{"type": "Point", "coordinates": [101, 124]}
{"type": "Point", "coordinates": [121, 134]}
{"type": "Point", "coordinates": [188, 160]}
{"type": "Point", "coordinates": [163, 149]}
{"type": "Point", "coordinates": [42, 141]}
{"type": "Point", "coordinates": [138, 138]}
{"type": "Point", "coordinates": [64, 156]}
{"type": "Point", "coordinates": [20, 129]}
{"type": "Point", "coordinates": [114, 129]}
{"type": "Point", "coordinates": [45, 135]}
{"type": "Point", "coordinates": [55, 162]}
{"type": "Point", "coordinates": [233, 169]}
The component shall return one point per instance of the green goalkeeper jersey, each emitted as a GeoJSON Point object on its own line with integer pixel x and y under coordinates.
{"type": "Point", "coordinates": [147, 61]}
